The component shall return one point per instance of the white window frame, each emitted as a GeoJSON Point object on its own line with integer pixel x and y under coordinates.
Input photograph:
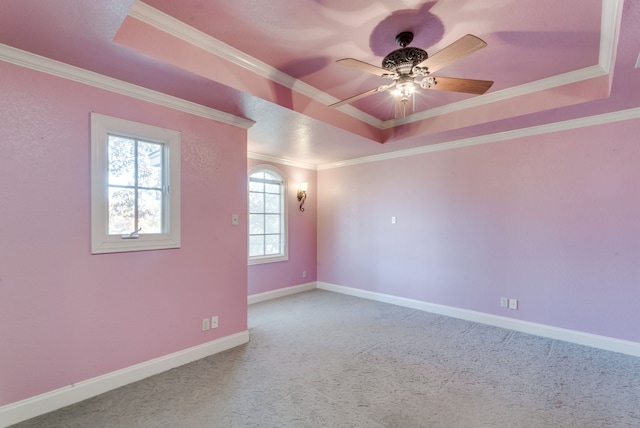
{"type": "Point", "coordinates": [285, 222]}
{"type": "Point", "coordinates": [101, 242]}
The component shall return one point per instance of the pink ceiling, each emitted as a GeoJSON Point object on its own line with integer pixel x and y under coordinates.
{"type": "Point", "coordinates": [528, 40]}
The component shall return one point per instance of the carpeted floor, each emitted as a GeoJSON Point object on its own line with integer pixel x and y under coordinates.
{"type": "Point", "coordinates": [320, 359]}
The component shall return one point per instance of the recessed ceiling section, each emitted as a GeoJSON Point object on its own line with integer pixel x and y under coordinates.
{"type": "Point", "coordinates": [294, 66]}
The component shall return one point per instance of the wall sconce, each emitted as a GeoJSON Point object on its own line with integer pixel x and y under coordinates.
{"type": "Point", "coordinates": [302, 195]}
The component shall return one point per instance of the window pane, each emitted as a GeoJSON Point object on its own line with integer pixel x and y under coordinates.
{"type": "Point", "coordinates": [272, 244]}
{"type": "Point", "coordinates": [121, 154]}
{"type": "Point", "coordinates": [150, 211]}
{"type": "Point", "coordinates": [272, 223]}
{"type": "Point", "coordinates": [266, 217]}
{"type": "Point", "coordinates": [121, 211]}
{"type": "Point", "coordinates": [256, 187]}
{"type": "Point", "coordinates": [256, 223]}
{"type": "Point", "coordinates": [256, 202]}
{"type": "Point", "coordinates": [272, 203]}
{"type": "Point", "coordinates": [272, 188]}
{"type": "Point", "coordinates": [256, 246]}
{"type": "Point", "coordinates": [149, 164]}
{"type": "Point", "coordinates": [131, 165]}
{"type": "Point", "coordinates": [269, 176]}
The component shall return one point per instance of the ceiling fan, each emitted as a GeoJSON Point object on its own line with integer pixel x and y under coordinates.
{"type": "Point", "coordinates": [410, 67]}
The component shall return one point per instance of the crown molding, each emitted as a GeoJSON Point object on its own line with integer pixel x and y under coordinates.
{"type": "Point", "coordinates": [611, 15]}
{"type": "Point", "coordinates": [505, 94]}
{"type": "Point", "coordinates": [281, 161]}
{"type": "Point", "coordinates": [86, 77]}
{"type": "Point", "coordinates": [582, 122]}
{"type": "Point", "coordinates": [609, 31]}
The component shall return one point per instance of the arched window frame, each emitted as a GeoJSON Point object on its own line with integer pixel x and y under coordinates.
{"type": "Point", "coordinates": [283, 253]}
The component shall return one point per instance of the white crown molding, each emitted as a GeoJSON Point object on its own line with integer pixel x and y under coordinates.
{"type": "Point", "coordinates": [76, 392]}
{"type": "Point", "coordinates": [282, 161]}
{"type": "Point", "coordinates": [505, 94]}
{"type": "Point", "coordinates": [557, 333]}
{"type": "Point", "coordinates": [76, 74]}
{"type": "Point", "coordinates": [609, 31]}
{"type": "Point", "coordinates": [582, 122]}
{"type": "Point", "coordinates": [611, 15]}
{"type": "Point", "coordinates": [610, 21]}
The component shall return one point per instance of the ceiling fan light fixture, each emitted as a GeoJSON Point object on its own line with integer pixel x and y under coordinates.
{"type": "Point", "coordinates": [404, 90]}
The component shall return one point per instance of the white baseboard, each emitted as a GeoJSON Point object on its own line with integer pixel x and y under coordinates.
{"type": "Point", "coordinates": [281, 292]}
{"type": "Point", "coordinates": [53, 400]}
{"type": "Point", "coordinates": [573, 336]}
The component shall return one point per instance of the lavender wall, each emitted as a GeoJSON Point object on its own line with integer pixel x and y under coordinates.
{"type": "Point", "coordinates": [302, 236]}
{"type": "Point", "coordinates": [551, 220]}
{"type": "Point", "coordinates": [67, 315]}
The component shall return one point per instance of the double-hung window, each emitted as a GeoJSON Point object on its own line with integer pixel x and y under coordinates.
{"type": "Point", "coordinates": [135, 186]}
{"type": "Point", "coordinates": [267, 215]}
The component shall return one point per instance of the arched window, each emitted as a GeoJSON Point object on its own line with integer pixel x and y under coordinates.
{"type": "Point", "coordinates": [267, 215]}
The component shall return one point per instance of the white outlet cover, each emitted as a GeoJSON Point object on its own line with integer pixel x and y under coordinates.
{"type": "Point", "coordinates": [214, 322]}
{"type": "Point", "coordinates": [513, 303]}
{"type": "Point", "coordinates": [205, 324]}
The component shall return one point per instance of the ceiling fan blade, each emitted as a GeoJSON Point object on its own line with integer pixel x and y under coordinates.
{"type": "Point", "coordinates": [362, 95]}
{"type": "Point", "coordinates": [462, 47]}
{"type": "Point", "coordinates": [468, 86]}
{"type": "Point", "coordinates": [364, 66]}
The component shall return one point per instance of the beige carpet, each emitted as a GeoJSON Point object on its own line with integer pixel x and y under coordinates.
{"type": "Point", "coordinates": [320, 359]}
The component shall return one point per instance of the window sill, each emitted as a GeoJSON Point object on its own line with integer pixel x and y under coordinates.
{"type": "Point", "coordinates": [267, 259]}
{"type": "Point", "coordinates": [144, 243]}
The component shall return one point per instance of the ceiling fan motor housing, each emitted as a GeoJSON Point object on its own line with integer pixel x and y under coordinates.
{"type": "Point", "coordinates": [403, 60]}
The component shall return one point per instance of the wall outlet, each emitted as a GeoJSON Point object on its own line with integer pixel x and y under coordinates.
{"type": "Point", "coordinates": [504, 302]}
{"type": "Point", "coordinates": [394, 220]}
{"type": "Point", "coordinates": [214, 322]}
{"type": "Point", "coordinates": [205, 324]}
{"type": "Point", "coordinates": [234, 219]}
{"type": "Point", "coordinates": [304, 273]}
{"type": "Point", "coordinates": [513, 303]}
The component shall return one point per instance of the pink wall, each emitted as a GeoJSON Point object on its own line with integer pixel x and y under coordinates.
{"type": "Point", "coordinates": [67, 315]}
{"type": "Point", "coordinates": [551, 220]}
{"type": "Point", "coordinates": [302, 236]}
